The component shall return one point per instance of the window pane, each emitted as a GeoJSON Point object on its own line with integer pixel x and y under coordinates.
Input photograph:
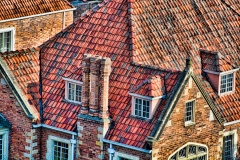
{"type": "Point", "coordinates": [1, 147]}
{"type": "Point", "coordinates": [141, 108]}
{"type": "Point", "coordinates": [228, 144]}
{"type": "Point", "coordinates": [189, 111]}
{"type": "Point", "coordinates": [190, 153]}
{"type": "Point", "coordinates": [71, 90]}
{"type": "Point", "coordinates": [60, 151]}
{"type": "Point", "coordinates": [226, 83]}
{"type": "Point", "coordinates": [78, 93]}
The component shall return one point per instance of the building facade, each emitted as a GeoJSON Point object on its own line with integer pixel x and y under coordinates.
{"type": "Point", "coordinates": [128, 80]}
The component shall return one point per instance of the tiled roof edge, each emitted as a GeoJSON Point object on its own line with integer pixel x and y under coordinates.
{"type": "Point", "coordinates": [154, 67]}
{"type": "Point", "coordinates": [232, 9]}
{"type": "Point", "coordinates": [208, 99]}
{"type": "Point", "coordinates": [85, 15]}
{"type": "Point", "coordinates": [16, 90]}
{"type": "Point", "coordinates": [168, 109]}
{"type": "Point", "coordinates": [91, 11]}
{"type": "Point", "coordinates": [132, 31]}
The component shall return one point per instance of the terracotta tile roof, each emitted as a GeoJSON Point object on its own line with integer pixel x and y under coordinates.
{"type": "Point", "coordinates": [23, 68]}
{"type": "Point", "coordinates": [234, 4]}
{"type": "Point", "coordinates": [163, 34]}
{"type": "Point", "coordinates": [214, 61]}
{"type": "Point", "coordinates": [10, 9]}
{"type": "Point", "coordinates": [106, 34]}
{"type": "Point", "coordinates": [180, 30]}
{"type": "Point", "coordinates": [152, 87]}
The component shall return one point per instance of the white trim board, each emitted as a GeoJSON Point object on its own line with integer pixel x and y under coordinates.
{"type": "Point", "coordinates": [37, 15]}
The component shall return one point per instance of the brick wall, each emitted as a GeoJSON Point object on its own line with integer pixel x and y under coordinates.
{"type": "Point", "coordinates": [214, 80]}
{"type": "Point", "coordinates": [21, 124]}
{"type": "Point", "coordinates": [89, 135]}
{"type": "Point", "coordinates": [204, 131]}
{"type": "Point", "coordinates": [32, 32]}
{"type": "Point", "coordinates": [45, 133]}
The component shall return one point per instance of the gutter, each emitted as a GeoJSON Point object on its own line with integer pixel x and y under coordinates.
{"type": "Point", "coordinates": [37, 15]}
{"type": "Point", "coordinates": [54, 128]}
{"type": "Point", "coordinates": [18, 97]}
{"type": "Point", "coordinates": [230, 123]}
{"type": "Point", "coordinates": [126, 146]}
{"type": "Point", "coordinates": [162, 121]}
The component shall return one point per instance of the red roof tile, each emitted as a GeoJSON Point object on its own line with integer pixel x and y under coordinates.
{"type": "Point", "coordinates": [10, 9]}
{"type": "Point", "coordinates": [163, 35]}
{"type": "Point", "coordinates": [23, 68]}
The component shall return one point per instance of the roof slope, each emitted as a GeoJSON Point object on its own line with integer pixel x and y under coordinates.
{"type": "Point", "coordinates": [21, 69]}
{"type": "Point", "coordinates": [165, 33]}
{"type": "Point", "coordinates": [10, 9]}
{"type": "Point", "coordinates": [104, 33]}
{"type": "Point", "coordinates": [180, 28]}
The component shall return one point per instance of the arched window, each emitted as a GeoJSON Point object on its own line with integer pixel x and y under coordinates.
{"type": "Point", "coordinates": [190, 151]}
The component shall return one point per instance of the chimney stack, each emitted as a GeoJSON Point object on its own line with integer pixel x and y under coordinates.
{"type": "Point", "coordinates": [96, 71]}
{"type": "Point", "coordinates": [94, 85]}
{"type": "Point", "coordinates": [105, 71]}
{"type": "Point", "coordinates": [85, 80]}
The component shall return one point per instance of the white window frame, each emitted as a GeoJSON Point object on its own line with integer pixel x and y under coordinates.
{"type": "Point", "coordinates": [235, 140]}
{"type": "Point", "coordinates": [118, 155]}
{"type": "Point", "coordinates": [5, 134]}
{"type": "Point", "coordinates": [12, 30]}
{"type": "Point", "coordinates": [67, 81]}
{"type": "Point", "coordinates": [233, 83]}
{"type": "Point", "coordinates": [149, 111]}
{"type": "Point", "coordinates": [188, 123]}
{"type": "Point", "coordinates": [50, 146]}
{"type": "Point", "coordinates": [187, 144]}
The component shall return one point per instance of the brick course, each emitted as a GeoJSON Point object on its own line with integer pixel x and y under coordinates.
{"type": "Point", "coordinates": [21, 124]}
{"type": "Point", "coordinates": [203, 131]}
{"type": "Point", "coordinates": [31, 32]}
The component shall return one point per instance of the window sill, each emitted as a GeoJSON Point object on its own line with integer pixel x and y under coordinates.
{"type": "Point", "coordinates": [141, 118]}
{"type": "Point", "coordinates": [72, 102]}
{"type": "Point", "coordinates": [186, 124]}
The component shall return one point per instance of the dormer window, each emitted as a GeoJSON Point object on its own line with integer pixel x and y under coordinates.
{"type": "Point", "coordinates": [73, 90]}
{"type": "Point", "coordinates": [220, 71]}
{"type": "Point", "coordinates": [142, 108]}
{"type": "Point", "coordinates": [226, 83]}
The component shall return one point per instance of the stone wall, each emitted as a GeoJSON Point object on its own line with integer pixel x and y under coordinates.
{"type": "Point", "coordinates": [32, 32]}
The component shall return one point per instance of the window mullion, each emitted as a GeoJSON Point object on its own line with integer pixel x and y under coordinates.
{"type": "Point", "coordinates": [75, 87]}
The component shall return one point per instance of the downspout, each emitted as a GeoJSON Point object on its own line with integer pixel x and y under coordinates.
{"type": "Point", "coordinates": [111, 152]}
{"type": "Point", "coordinates": [73, 142]}
{"type": "Point", "coordinates": [64, 20]}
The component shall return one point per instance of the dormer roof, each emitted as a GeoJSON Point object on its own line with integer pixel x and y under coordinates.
{"type": "Point", "coordinates": [152, 87]}
{"type": "Point", "coordinates": [214, 61]}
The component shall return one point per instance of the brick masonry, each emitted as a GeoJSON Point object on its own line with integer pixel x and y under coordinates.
{"type": "Point", "coordinates": [204, 131]}
{"type": "Point", "coordinates": [32, 32]}
{"type": "Point", "coordinates": [21, 124]}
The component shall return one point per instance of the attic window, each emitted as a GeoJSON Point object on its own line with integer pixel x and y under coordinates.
{"type": "Point", "coordinates": [226, 83]}
{"type": "Point", "coordinates": [141, 108]}
{"type": "Point", "coordinates": [73, 90]}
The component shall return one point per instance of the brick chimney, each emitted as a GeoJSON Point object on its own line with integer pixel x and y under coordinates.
{"type": "Point", "coordinates": [94, 85]}
{"type": "Point", "coordinates": [96, 71]}
{"type": "Point", "coordinates": [105, 71]}
{"type": "Point", "coordinates": [86, 85]}
{"type": "Point", "coordinates": [93, 120]}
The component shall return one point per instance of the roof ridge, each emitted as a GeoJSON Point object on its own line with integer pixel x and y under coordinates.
{"type": "Point", "coordinates": [77, 21]}
{"type": "Point", "coordinates": [91, 11]}
{"type": "Point", "coordinates": [19, 52]}
{"type": "Point", "coordinates": [154, 67]}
